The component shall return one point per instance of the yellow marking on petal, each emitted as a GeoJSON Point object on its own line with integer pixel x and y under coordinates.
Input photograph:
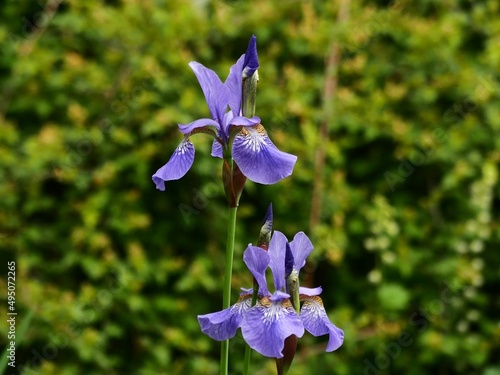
{"type": "Point", "coordinates": [311, 299]}
{"type": "Point", "coordinates": [253, 137]}
{"type": "Point", "coordinates": [244, 297]}
{"type": "Point", "coordinates": [265, 301]}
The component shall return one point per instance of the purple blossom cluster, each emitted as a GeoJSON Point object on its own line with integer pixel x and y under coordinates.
{"type": "Point", "coordinates": [235, 136]}
{"type": "Point", "coordinates": [267, 324]}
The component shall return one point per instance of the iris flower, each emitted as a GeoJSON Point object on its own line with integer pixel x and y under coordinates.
{"type": "Point", "coordinates": [312, 312]}
{"type": "Point", "coordinates": [266, 325]}
{"type": "Point", "coordinates": [235, 136]}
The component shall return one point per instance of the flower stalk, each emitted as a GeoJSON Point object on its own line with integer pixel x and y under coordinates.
{"type": "Point", "coordinates": [226, 294]}
{"type": "Point", "coordinates": [262, 242]}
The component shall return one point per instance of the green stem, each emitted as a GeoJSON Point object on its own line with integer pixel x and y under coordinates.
{"type": "Point", "coordinates": [226, 296]}
{"type": "Point", "coordinates": [248, 350]}
{"type": "Point", "coordinates": [246, 364]}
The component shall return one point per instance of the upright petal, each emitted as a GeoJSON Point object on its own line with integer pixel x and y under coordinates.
{"type": "Point", "coordinates": [277, 248]}
{"type": "Point", "coordinates": [266, 326]}
{"type": "Point", "coordinates": [316, 322]}
{"type": "Point", "coordinates": [257, 261]}
{"type": "Point", "coordinates": [216, 93]}
{"type": "Point", "coordinates": [234, 84]}
{"type": "Point", "coordinates": [259, 159]}
{"type": "Point", "coordinates": [178, 165]}
{"type": "Point", "coordinates": [301, 247]}
{"type": "Point", "coordinates": [222, 325]}
{"type": "Point", "coordinates": [251, 63]}
{"type": "Point", "coordinates": [289, 261]}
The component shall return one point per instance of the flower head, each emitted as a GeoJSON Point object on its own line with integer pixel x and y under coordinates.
{"type": "Point", "coordinates": [312, 311]}
{"type": "Point", "coordinates": [235, 136]}
{"type": "Point", "coordinates": [267, 325]}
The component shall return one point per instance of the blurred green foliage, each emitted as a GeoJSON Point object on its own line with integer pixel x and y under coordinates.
{"type": "Point", "coordinates": [116, 271]}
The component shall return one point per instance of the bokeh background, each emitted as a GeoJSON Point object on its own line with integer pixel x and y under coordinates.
{"type": "Point", "coordinates": [392, 108]}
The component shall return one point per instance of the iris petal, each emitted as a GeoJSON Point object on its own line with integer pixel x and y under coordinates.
{"type": "Point", "coordinates": [222, 325]}
{"type": "Point", "coordinates": [244, 121]}
{"type": "Point", "coordinates": [257, 260]}
{"type": "Point", "coordinates": [277, 254]}
{"type": "Point", "coordinates": [234, 83]}
{"type": "Point", "coordinates": [310, 291]}
{"type": "Point", "coordinates": [177, 166]}
{"type": "Point", "coordinates": [259, 159]}
{"type": "Point", "coordinates": [216, 149]}
{"type": "Point", "coordinates": [197, 124]}
{"type": "Point", "coordinates": [315, 320]}
{"type": "Point", "coordinates": [251, 63]}
{"type": "Point", "coordinates": [216, 93]}
{"type": "Point", "coordinates": [301, 248]}
{"type": "Point", "coordinates": [266, 326]}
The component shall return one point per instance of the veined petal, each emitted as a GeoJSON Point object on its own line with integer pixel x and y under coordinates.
{"type": "Point", "coordinates": [216, 93]}
{"type": "Point", "coordinates": [301, 247]}
{"type": "Point", "coordinates": [266, 326]}
{"type": "Point", "coordinates": [259, 159]}
{"type": "Point", "coordinates": [199, 125]}
{"type": "Point", "coordinates": [276, 250]}
{"type": "Point", "coordinates": [216, 149]}
{"type": "Point", "coordinates": [310, 291]}
{"type": "Point", "coordinates": [257, 261]}
{"type": "Point", "coordinates": [315, 320]}
{"type": "Point", "coordinates": [222, 325]}
{"type": "Point", "coordinates": [177, 166]}
{"type": "Point", "coordinates": [234, 83]}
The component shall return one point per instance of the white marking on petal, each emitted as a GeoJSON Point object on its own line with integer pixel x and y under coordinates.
{"type": "Point", "coordinates": [183, 147]}
{"type": "Point", "coordinates": [253, 137]}
{"type": "Point", "coordinates": [273, 311]}
{"type": "Point", "coordinates": [315, 311]}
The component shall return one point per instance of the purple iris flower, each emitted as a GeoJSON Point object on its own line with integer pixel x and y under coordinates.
{"type": "Point", "coordinates": [238, 137]}
{"type": "Point", "coordinates": [312, 311]}
{"type": "Point", "coordinates": [266, 325]}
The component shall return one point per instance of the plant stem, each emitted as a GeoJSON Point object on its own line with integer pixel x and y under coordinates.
{"type": "Point", "coordinates": [226, 294]}
{"type": "Point", "coordinates": [246, 364]}
{"type": "Point", "coordinates": [248, 350]}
